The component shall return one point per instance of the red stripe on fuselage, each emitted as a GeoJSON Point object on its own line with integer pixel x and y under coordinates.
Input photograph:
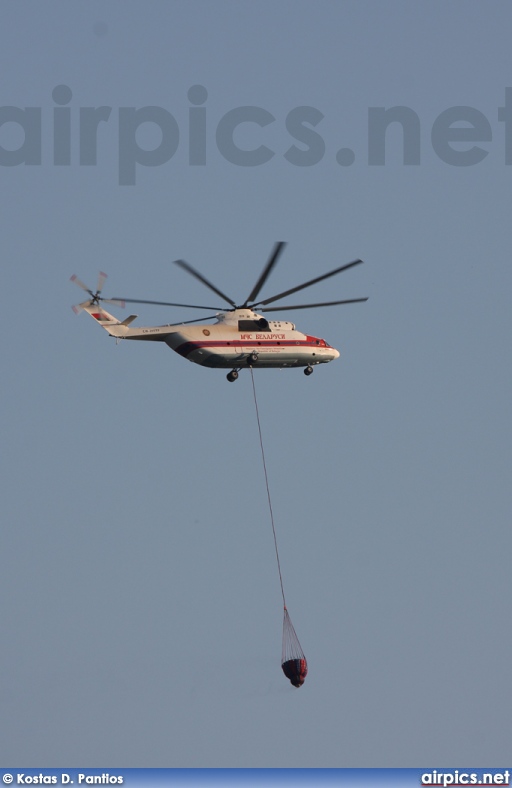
{"type": "Point", "coordinates": [189, 347]}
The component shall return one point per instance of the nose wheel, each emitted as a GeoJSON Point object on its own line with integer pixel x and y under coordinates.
{"type": "Point", "coordinates": [308, 371]}
{"type": "Point", "coordinates": [232, 376]}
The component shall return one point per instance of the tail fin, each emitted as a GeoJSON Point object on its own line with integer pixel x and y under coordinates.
{"type": "Point", "coordinates": [115, 327]}
{"type": "Point", "coordinates": [101, 315]}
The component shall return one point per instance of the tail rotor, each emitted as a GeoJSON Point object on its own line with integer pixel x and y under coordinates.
{"type": "Point", "coordinates": [95, 297]}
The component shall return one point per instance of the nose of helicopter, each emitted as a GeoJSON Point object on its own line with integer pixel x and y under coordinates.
{"type": "Point", "coordinates": [335, 353]}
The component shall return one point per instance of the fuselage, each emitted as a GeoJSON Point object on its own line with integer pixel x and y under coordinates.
{"type": "Point", "coordinates": [241, 338]}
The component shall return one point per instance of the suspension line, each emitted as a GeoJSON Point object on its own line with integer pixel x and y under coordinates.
{"type": "Point", "coordinates": [267, 486]}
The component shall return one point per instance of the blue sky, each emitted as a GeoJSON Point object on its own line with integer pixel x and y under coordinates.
{"type": "Point", "coordinates": [141, 604]}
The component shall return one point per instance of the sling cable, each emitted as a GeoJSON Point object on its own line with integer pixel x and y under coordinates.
{"type": "Point", "coordinates": [293, 660]}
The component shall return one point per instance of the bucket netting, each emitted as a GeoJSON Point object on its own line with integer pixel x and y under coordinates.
{"type": "Point", "coordinates": [293, 660]}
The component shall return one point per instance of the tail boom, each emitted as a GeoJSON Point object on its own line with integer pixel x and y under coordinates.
{"type": "Point", "coordinates": [121, 329]}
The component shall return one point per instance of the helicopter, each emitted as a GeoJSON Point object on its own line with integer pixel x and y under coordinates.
{"type": "Point", "coordinates": [240, 338]}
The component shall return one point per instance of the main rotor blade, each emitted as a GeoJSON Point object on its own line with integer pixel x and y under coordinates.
{"type": "Point", "coordinates": [188, 267]}
{"type": "Point", "coordinates": [278, 248]}
{"type": "Point", "coordinates": [167, 303]}
{"type": "Point", "coordinates": [197, 320]}
{"type": "Point", "coordinates": [312, 306]}
{"type": "Point", "coordinates": [308, 284]}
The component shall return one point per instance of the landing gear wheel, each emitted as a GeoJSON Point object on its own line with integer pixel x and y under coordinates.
{"type": "Point", "coordinates": [232, 376]}
{"type": "Point", "coordinates": [253, 357]}
{"type": "Point", "coordinates": [308, 371]}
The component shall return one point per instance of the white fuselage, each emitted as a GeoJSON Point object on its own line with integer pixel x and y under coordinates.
{"type": "Point", "coordinates": [234, 338]}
